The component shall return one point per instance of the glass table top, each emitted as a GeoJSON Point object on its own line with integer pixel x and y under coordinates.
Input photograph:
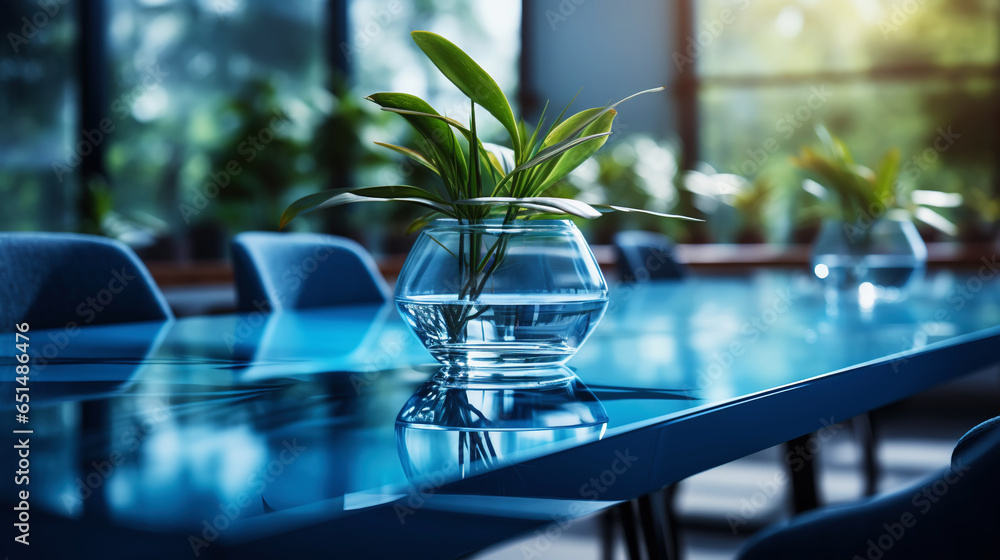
{"type": "Point", "coordinates": [161, 426]}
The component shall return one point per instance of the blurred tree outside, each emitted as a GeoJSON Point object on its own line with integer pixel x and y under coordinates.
{"type": "Point", "coordinates": [878, 73]}
{"type": "Point", "coordinates": [889, 73]}
{"type": "Point", "coordinates": [39, 115]}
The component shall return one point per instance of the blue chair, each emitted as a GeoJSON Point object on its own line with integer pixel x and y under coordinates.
{"type": "Point", "coordinates": [275, 271]}
{"type": "Point", "coordinates": [66, 280]}
{"type": "Point", "coordinates": [950, 514]}
{"type": "Point", "coordinates": [644, 255]}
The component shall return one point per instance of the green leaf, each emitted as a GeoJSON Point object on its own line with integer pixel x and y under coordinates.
{"type": "Point", "coordinates": [554, 151]}
{"type": "Point", "coordinates": [412, 154]}
{"type": "Point", "coordinates": [421, 222]}
{"type": "Point", "coordinates": [502, 156]}
{"type": "Point", "coordinates": [441, 146]}
{"type": "Point", "coordinates": [531, 142]}
{"type": "Point", "coordinates": [395, 191]}
{"type": "Point", "coordinates": [470, 78]}
{"type": "Point", "coordinates": [939, 199]}
{"type": "Point", "coordinates": [546, 155]}
{"type": "Point", "coordinates": [592, 115]}
{"type": "Point", "coordinates": [842, 152]}
{"type": "Point", "coordinates": [609, 208]}
{"type": "Point", "coordinates": [885, 178]}
{"type": "Point", "coordinates": [849, 181]}
{"type": "Point", "coordinates": [495, 164]}
{"type": "Point", "coordinates": [559, 119]}
{"type": "Point", "coordinates": [563, 130]}
{"type": "Point", "coordinates": [935, 220]}
{"type": "Point", "coordinates": [337, 197]}
{"type": "Point", "coordinates": [837, 148]}
{"type": "Point", "coordinates": [826, 138]}
{"type": "Point", "coordinates": [564, 205]}
{"type": "Point", "coordinates": [459, 127]}
{"type": "Point", "coordinates": [434, 239]}
{"type": "Point", "coordinates": [575, 156]}
{"type": "Point", "coordinates": [457, 124]}
{"type": "Point", "coordinates": [475, 168]}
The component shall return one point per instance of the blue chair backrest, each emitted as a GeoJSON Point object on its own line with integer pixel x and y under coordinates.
{"type": "Point", "coordinates": [644, 255]}
{"type": "Point", "coordinates": [968, 447]}
{"type": "Point", "coordinates": [954, 509]}
{"type": "Point", "coordinates": [67, 280]}
{"type": "Point", "coordinates": [276, 271]}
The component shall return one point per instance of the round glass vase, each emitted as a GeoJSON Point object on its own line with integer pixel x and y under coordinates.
{"type": "Point", "coordinates": [494, 295]}
{"type": "Point", "coordinates": [874, 260]}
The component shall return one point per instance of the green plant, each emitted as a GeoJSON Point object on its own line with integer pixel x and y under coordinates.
{"type": "Point", "coordinates": [982, 211]}
{"type": "Point", "coordinates": [738, 207]}
{"type": "Point", "coordinates": [636, 171]}
{"type": "Point", "coordinates": [256, 163]}
{"type": "Point", "coordinates": [854, 193]}
{"type": "Point", "coordinates": [478, 180]}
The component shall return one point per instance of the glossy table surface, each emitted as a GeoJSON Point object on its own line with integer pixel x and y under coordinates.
{"type": "Point", "coordinates": [331, 428]}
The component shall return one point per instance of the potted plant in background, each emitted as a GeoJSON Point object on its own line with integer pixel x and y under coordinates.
{"type": "Point", "coordinates": [868, 244]}
{"type": "Point", "coordinates": [637, 171]}
{"type": "Point", "coordinates": [498, 277]}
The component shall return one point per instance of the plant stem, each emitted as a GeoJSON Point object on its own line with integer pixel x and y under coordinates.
{"type": "Point", "coordinates": [473, 279]}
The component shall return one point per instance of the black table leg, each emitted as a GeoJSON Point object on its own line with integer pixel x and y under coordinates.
{"type": "Point", "coordinates": [630, 529]}
{"type": "Point", "coordinates": [802, 472]}
{"type": "Point", "coordinates": [864, 432]}
{"type": "Point", "coordinates": [673, 527]}
{"type": "Point", "coordinates": [653, 526]}
{"type": "Point", "coordinates": [649, 526]}
{"type": "Point", "coordinates": [609, 520]}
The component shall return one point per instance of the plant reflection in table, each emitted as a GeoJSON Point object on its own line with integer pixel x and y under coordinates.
{"type": "Point", "coordinates": [459, 426]}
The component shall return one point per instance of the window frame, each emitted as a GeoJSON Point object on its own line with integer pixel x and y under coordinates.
{"type": "Point", "coordinates": [689, 85]}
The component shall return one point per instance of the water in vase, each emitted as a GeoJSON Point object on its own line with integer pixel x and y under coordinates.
{"type": "Point", "coordinates": [502, 330]}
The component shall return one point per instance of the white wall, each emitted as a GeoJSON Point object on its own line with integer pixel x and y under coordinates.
{"type": "Point", "coordinates": [612, 48]}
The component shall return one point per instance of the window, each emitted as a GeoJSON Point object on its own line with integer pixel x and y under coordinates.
{"type": "Point", "coordinates": [203, 118]}
{"type": "Point", "coordinates": [381, 56]}
{"type": "Point", "coordinates": [921, 75]}
{"type": "Point", "coordinates": [214, 102]}
{"type": "Point", "coordinates": [38, 108]}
